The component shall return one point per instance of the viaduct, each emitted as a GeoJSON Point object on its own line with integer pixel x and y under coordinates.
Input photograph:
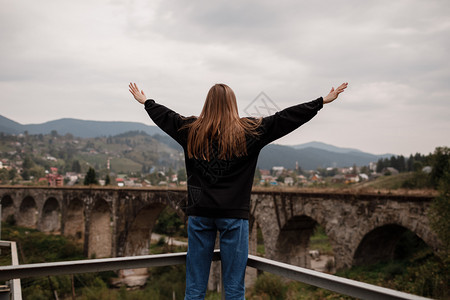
{"type": "Point", "coordinates": [111, 222]}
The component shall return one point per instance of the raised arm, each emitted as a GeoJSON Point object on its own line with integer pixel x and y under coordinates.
{"type": "Point", "coordinates": [138, 95]}
{"type": "Point", "coordinates": [289, 119]}
{"type": "Point", "coordinates": [165, 118]}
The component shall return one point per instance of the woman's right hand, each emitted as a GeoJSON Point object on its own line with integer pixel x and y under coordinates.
{"type": "Point", "coordinates": [334, 93]}
{"type": "Point", "coordinates": [138, 95]}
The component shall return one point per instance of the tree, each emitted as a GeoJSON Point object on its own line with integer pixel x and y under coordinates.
{"type": "Point", "coordinates": [380, 165]}
{"type": "Point", "coordinates": [90, 177]}
{"type": "Point", "coordinates": [441, 164]}
{"type": "Point", "coordinates": [401, 163]}
{"type": "Point", "coordinates": [37, 171]}
{"type": "Point", "coordinates": [107, 180]}
{"type": "Point", "coordinates": [170, 173]}
{"type": "Point", "coordinates": [27, 163]}
{"type": "Point", "coordinates": [440, 208]}
{"type": "Point", "coordinates": [54, 133]}
{"type": "Point", "coordinates": [257, 177]}
{"type": "Point", "coordinates": [410, 164]}
{"type": "Point", "coordinates": [12, 174]}
{"type": "Point", "coordinates": [68, 136]}
{"type": "Point", "coordinates": [4, 175]}
{"type": "Point", "coordinates": [439, 215]}
{"type": "Point", "coordinates": [76, 167]}
{"type": "Point", "coordinates": [181, 175]}
{"type": "Point", "coordinates": [365, 170]}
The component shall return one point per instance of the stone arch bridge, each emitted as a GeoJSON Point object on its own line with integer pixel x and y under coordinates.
{"type": "Point", "coordinates": [113, 222]}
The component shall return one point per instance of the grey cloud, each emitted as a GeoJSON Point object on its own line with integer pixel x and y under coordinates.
{"type": "Point", "coordinates": [289, 49]}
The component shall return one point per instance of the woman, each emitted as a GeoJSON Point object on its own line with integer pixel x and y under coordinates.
{"type": "Point", "coordinates": [221, 151]}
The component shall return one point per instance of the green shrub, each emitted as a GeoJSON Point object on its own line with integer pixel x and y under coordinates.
{"type": "Point", "coordinates": [10, 220]}
{"type": "Point", "coordinates": [270, 285]}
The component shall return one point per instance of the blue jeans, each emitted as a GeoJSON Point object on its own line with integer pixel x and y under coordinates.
{"type": "Point", "coordinates": [233, 250]}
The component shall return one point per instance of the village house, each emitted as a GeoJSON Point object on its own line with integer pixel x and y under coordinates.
{"type": "Point", "coordinates": [53, 178]}
{"type": "Point", "coordinates": [277, 171]}
{"type": "Point", "coordinates": [289, 181]}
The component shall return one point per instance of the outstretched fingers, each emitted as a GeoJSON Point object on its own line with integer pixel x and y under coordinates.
{"type": "Point", "coordinates": [138, 95]}
{"type": "Point", "coordinates": [133, 88]}
{"type": "Point", "coordinates": [342, 87]}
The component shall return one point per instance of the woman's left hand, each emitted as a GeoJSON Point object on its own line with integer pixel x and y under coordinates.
{"type": "Point", "coordinates": [138, 95]}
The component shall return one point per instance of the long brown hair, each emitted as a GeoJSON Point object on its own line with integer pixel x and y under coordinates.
{"type": "Point", "coordinates": [219, 122]}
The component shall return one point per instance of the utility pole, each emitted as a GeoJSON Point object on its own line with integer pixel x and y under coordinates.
{"type": "Point", "coordinates": [0, 222]}
{"type": "Point", "coordinates": [73, 288]}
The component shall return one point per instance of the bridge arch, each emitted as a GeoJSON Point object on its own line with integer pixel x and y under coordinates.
{"type": "Point", "coordinates": [380, 244]}
{"type": "Point", "coordinates": [100, 230]}
{"type": "Point", "coordinates": [138, 238]}
{"type": "Point", "coordinates": [50, 216]}
{"type": "Point", "coordinates": [74, 224]}
{"type": "Point", "coordinates": [8, 208]}
{"type": "Point", "coordinates": [293, 240]}
{"type": "Point", "coordinates": [140, 230]}
{"type": "Point", "coordinates": [28, 212]}
{"type": "Point", "coordinates": [383, 229]}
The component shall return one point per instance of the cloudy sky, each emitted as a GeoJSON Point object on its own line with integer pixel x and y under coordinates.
{"type": "Point", "coordinates": [74, 59]}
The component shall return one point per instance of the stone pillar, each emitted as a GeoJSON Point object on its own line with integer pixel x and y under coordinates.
{"type": "Point", "coordinates": [251, 273]}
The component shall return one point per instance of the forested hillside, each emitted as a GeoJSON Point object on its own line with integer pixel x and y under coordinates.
{"type": "Point", "coordinates": [129, 153]}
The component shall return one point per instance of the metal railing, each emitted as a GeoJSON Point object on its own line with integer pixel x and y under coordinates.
{"type": "Point", "coordinates": [14, 282]}
{"type": "Point", "coordinates": [333, 283]}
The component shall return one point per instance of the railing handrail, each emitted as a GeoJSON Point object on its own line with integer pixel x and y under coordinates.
{"type": "Point", "coordinates": [330, 282]}
{"type": "Point", "coordinates": [15, 287]}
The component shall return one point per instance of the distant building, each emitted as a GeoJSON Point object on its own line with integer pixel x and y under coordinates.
{"type": "Point", "coordinates": [315, 178]}
{"type": "Point", "coordinates": [277, 170]}
{"type": "Point", "coordinates": [351, 178]}
{"type": "Point", "coordinates": [72, 178]}
{"type": "Point", "coordinates": [267, 179]}
{"type": "Point", "coordinates": [338, 178]}
{"type": "Point", "coordinates": [289, 181]}
{"type": "Point", "coordinates": [363, 176]}
{"type": "Point", "coordinates": [301, 179]}
{"type": "Point", "coordinates": [54, 179]}
{"type": "Point", "coordinates": [264, 172]}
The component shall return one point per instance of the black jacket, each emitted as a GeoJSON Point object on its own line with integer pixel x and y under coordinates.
{"type": "Point", "coordinates": [222, 188]}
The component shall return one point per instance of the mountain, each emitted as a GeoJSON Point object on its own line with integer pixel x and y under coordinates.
{"type": "Point", "coordinates": [79, 128]}
{"type": "Point", "coordinates": [311, 158]}
{"type": "Point", "coordinates": [331, 148]}
{"type": "Point", "coordinates": [327, 147]}
{"type": "Point", "coordinates": [9, 126]}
